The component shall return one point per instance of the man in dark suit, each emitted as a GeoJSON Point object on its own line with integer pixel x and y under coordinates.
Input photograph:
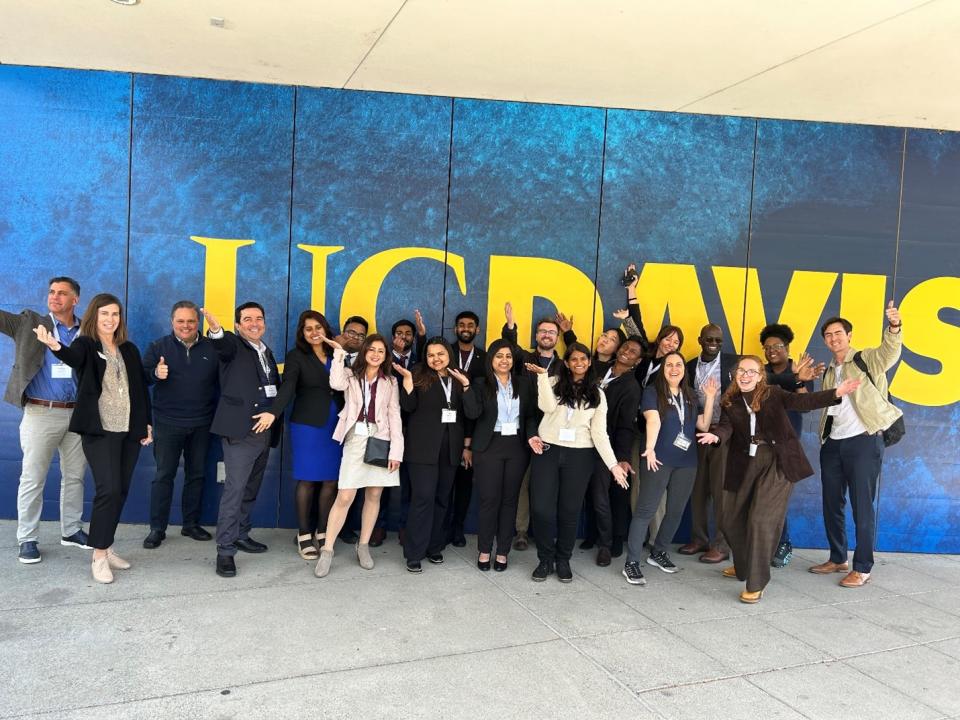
{"type": "Point", "coordinates": [46, 389]}
{"type": "Point", "coordinates": [249, 379]}
{"type": "Point", "coordinates": [711, 459]}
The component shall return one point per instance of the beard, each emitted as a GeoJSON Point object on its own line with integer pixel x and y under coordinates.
{"type": "Point", "coordinates": [466, 336]}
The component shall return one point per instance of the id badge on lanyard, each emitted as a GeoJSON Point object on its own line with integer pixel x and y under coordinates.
{"type": "Point", "coordinates": [270, 390]}
{"type": "Point", "coordinates": [753, 429]}
{"type": "Point", "coordinates": [60, 370]}
{"type": "Point", "coordinates": [681, 441]}
{"type": "Point", "coordinates": [448, 414]}
{"type": "Point", "coordinates": [568, 434]}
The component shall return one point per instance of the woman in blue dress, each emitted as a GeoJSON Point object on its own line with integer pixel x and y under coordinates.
{"type": "Point", "coordinates": [316, 455]}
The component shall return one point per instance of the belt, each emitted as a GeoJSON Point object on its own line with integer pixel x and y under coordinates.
{"type": "Point", "coordinates": [52, 404]}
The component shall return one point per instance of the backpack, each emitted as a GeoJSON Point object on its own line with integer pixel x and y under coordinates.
{"type": "Point", "coordinates": [893, 434]}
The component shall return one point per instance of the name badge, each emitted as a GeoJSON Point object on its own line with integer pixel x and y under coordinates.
{"type": "Point", "coordinates": [270, 390]}
{"type": "Point", "coordinates": [361, 429]}
{"type": "Point", "coordinates": [681, 441]}
{"type": "Point", "coordinates": [753, 449]}
{"type": "Point", "coordinates": [508, 428]}
{"type": "Point", "coordinates": [62, 371]}
{"type": "Point", "coordinates": [448, 416]}
{"type": "Point", "coordinates": [568, 435]}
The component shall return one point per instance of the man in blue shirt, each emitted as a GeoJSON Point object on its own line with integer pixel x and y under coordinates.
{"type": "Point", "coordinates": [183, 367]}
{"type": "Point", "coordinates": [46, 389]}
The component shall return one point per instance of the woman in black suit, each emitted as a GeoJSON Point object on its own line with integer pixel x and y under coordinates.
{"type": "Point", "coordinates": [112, 417]}
{"type": "Point", "coordinates": [316, 455]}
{"type": "Point", "coordinates": [435, 443]}
{"type": "Point", "coordinates": [504, 408]}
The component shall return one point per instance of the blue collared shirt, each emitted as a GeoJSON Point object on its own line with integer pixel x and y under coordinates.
{"type": "Point", "coordinates": [44, 386]}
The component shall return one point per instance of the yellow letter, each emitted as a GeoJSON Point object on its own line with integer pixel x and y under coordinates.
{"type": "Point", "coordinates": [803, 303]}
{"type": "Point", "coordinates": [862, 299]}
{"type": "Point", "coordinates": [363, 288]}
{"type": "Point", "coordinates": [933, 338]}
{"type": "Point", "coordinates": [519, 280]}
{"type": "Point", "coordinates": [318, 274]}
{"type": "Point", "coordinates": [220, 276]}
{"type": "Point", "coordinates": [676, 288]}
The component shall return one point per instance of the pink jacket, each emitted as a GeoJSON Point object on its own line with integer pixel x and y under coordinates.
{"type": "Point", "coordinates": [387, 410]}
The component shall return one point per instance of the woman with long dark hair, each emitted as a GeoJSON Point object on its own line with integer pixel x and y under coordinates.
{"type": "Point", "coordinates": [572, 431]}
{"type": "Point", "coordinates": [316, 455]}
{"type": "Point", "coordinates": [669, 339]}
{"type": "Point", "coordinates": [434, 437]}
{"type": "Point", "coordinates": [371, 410]}
{"type": "Point", "coordinates": [764, 461]}
{"type": "Point", "coordinates": [669, 408]}
{"type": "Point", "coordinates": [112, 417]}
{"type": "Point", "coordinates": [503, 405]}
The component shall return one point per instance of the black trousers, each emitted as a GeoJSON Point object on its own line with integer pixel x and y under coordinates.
{"type": "Point", "coordinates": [460, 498]}
{"type": "Point", "coordinates": [430, 487]}
{"type": "Point", "coordinates": [112, 458]}
{"type": "Point", "coordinates": [169, 443]}
{"type": "Point", "coordinates": [851, 465]}
{"type": "Point", "coordinates": [558, 481]}
{"type": "Point", "coordinates": [498, 475]}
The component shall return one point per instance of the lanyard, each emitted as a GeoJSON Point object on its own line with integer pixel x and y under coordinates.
{"type": "Point", "coordinates": [465, 365]}
{"type": "Point", "coordinates": [570, 410]}
{"type": "Point", "coordinates": [753, 420]}
{"type": "Point", "coordinates": [680, 406]}
{"type": "Point", "coordinates": [511, 403]}
{"type": "Point", "coordinates": [56, 333]}
{"type": "Point", "coordinates": [365, 388]}
{"type": "Point", "coordinates": [262, 357]}
{"type": "Point", "coordinates": [706, 370]}
{"type": "Point", "coordinates": [447, 389]}
{"type": "Point", "coordinates": [607, 379]}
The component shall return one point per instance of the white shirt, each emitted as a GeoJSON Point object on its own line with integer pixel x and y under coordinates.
{"type": "Point", "coordinates": [846, 423]}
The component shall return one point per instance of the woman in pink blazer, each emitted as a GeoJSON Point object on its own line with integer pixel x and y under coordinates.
{"type": "Point", "coordinates": [371, 409]}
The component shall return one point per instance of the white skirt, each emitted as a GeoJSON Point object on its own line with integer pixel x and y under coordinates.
{"type": "Point", "coordinates": [355, 473]}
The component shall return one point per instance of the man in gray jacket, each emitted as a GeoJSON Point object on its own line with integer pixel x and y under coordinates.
{"type": "Point", "coordinates": [46, 389]}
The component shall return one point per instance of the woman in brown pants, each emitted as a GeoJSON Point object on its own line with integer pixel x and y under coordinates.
{"type": "Point", "coordinates": [764, 460]}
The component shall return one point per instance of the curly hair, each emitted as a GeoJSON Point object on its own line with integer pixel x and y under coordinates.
{"type": "Point", "coordinates": [760, 392]}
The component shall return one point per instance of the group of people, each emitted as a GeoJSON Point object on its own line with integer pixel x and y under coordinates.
{"type": "Point", "coordinates": [536, 433]}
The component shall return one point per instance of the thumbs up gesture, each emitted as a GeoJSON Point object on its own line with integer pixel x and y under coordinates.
{"type": "Point", "coordinates": [162, 370]}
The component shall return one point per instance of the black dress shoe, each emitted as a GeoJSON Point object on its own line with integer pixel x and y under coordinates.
{"type": "Point", "coordinates": [564, 573]}
{"type": "Point", "coordinates": [436, 558]}
{"type": "Point", "coordinates": [154, 539]}
{"type": "Point", "coordinates": [196, 532]}
{"type": "Point", "coordinates": [226, 567]}
{"type": "Point", "coordinates": [349, 537]}
{"type": "Point", "coordinates": [616, 548]}
{"type": "Point", "coordinates": [458, 539]}
{"type": "Point", "coordinates": [483, 564]}
{"type": "Point", "coordinates": [249, 545]}
{"type": "Point", "coordinates": [499, 566]}
{"type": "Point", "coordinates": [414, 566]}
{"type": "Point", "coordinates": [543, 570]}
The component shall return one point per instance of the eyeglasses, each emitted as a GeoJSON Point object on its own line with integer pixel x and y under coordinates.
{"type": "Point", "coordinates": [354, 334]}
{"type": "Point", "coordinates": [747, 372]}
{"type": "Point", "coordinates": [551, 333]}
{"type": "Point", "coordinates": [776, 346]}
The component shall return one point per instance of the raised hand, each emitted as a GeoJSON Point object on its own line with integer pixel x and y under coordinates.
{"type": "Point", "coordinates": [459, 377]}
{"type": "Point", "coordinates": [334, 343]}
{"type": "Point", "coordinates": [264, 421]}
{"type": "Point", "coordinates": [652, 463]}
{"type": "Point", "coordinates": [565, 324]}
{"type": "Point", "coordinates": [162, 370]}
{"type": "Point", "coordinates": [508, 315]}
{"type": "Point", "coordinates": [402, 371]}
{"type": "Point", "coordinates": [847, 387]}
{"type": "Point", "coordinates": [398, 344]}
{"type": "Point", "coordinates": [44, 336]}
{"type": "Point", "coordinates": [893, 315]}
{"type": "Point", "coordinates": [633, 285]}
{"type": "Point", "coordinates": [711, 387]}
{"type": "Point", "coordinates": [421, 326]}
{"type": "Point", "coordinates": [707, 438]}
{"type": "Point", "coordinates": [806, 370]}
{"type": "Point", "coordinates": [534, 368]}
{"type": "Point", "coordinates": [621, 314]}
{"type": "Point", "coordinates": [211, 319]}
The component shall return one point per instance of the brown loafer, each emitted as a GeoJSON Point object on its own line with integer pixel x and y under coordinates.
{"type": "Point", "coordinates": [714, 556]}
{"type": "Point", "coordinates": [730, 572]}
{"type": "Point", "coordinates": [603, 556]}
{"type": "Point", "coordinates": [855, 579]}
{"type": "Point", "coordinates": [751, 598]}
{"type": "Point", "coordinates": [692, 548]}
{"type": "Point", "coordinates": [829, 567]}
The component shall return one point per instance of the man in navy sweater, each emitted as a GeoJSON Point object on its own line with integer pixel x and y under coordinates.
{"type": "Point", "coordinates": [183, 368]}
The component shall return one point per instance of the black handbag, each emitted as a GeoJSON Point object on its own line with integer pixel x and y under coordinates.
{"type": "Point", "coordinates": [893, 434]}
{"type": "Point", "coordinates": [377, 452]}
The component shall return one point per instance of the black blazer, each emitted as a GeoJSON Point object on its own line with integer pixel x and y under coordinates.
{"type": "Point", "coordinates": [727, 362]}
{"type": "Point", "coordinates": [423, 430]}
{"type": "Point", "coordinates": [306, 381]}
{"type": "Point", "coordinates": [773, 426]}
{"type": "Point", "coordinates": [482, 409]}
{"type": "Point", "coordinates": [241, 392]}
{"type": "Point", "coordinates": [478, 363]}
{"type": "Point", "coordinates": [623, 406]}
{"type": "Point", "coordinates": [84, 355]}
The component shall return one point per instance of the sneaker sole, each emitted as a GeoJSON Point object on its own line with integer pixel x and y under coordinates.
{"type": "Point", "coordinates": [639, 581]}
{"type": "Point", "coordinates": [71, 543]}
{"type": "Point", "coordinates": [29, 561]}
{"type": "Point", "coordinates": [655, 564]}
{"type": "Point", "coordinates": [539, 579]}
{"type": "Point", "coordinates": [565, 580]}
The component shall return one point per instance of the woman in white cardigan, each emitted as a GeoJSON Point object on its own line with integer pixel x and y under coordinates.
{"type": "Point", "coordinates": [371, 410]}
{"type": "Point", "coordinates": [572, 432]}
